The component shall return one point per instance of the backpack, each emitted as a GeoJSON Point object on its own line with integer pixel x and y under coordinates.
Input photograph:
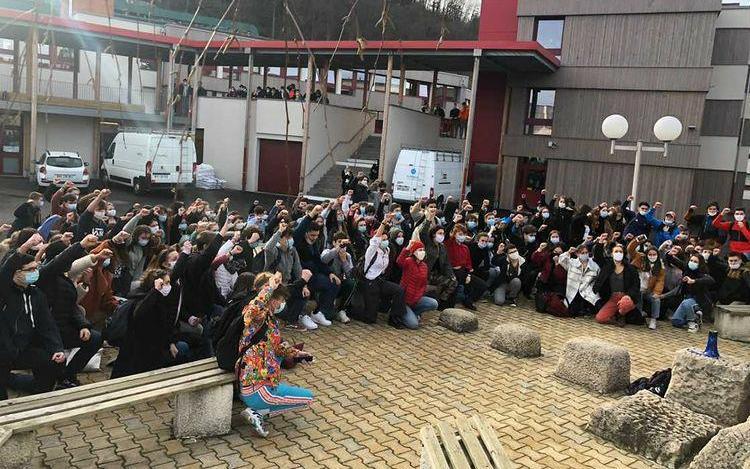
{"type": "Point", "coordinates": [657, 384]}
{"type": "Point", "coordinates": [116, 326]}
{"type": "Point", "coordinates": [227, 336]}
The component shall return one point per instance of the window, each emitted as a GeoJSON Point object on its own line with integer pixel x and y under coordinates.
{"type": "Point", "coordinates": [540, 112]}
{"type": "Point", "coordinates": [549, 33]}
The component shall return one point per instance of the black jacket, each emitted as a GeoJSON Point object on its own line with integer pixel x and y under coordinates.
{"type": "Point", "coordinates": [25, 318]}
{"type": "Point", "coordinates": [61, 293]}
{"type": "Point", "coordinates": [197, 280]}
{"type": "Point", "coordinates": [631, 280]}
{"type": "Point", "coordinates": [699, 291]}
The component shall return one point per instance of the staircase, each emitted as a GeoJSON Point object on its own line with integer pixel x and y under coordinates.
{"type": "Point", "coordinates": [363, 158]}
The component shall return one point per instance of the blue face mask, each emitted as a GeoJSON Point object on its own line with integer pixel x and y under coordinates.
{"type": "Point", "coordinates": [143, 241]}
{"type": "Point", "coordinates": [182, 226]}
{"type": "Point", "coordinates": [471, 225]}
{"type": "Point", "coordinates": [490, 222]}
{"type": "Point", "coordinates": [692, 265]}
{"type": "Point", "coordinates": [362, 210]}
{"type": "Point", "coordinates": [400, 241]}
{"type": "Point", "coordinates": [31, 277]}
{"type": "Point", "coordinates": [162, 218]}
{"type": "Point", "coordinates": [290, 243]}
{"type": "Point", "coordinates": [482, 245]}
{"type": "Point", "coordinates": [384, 244]}
{"type": "Point", "coordinates": [362, 228]}
{"type": "Point", "coordinates": [398, 216]}
{"type": "Point", "coordinates": [106, 262]}
{"type": "Point", "coordinates": [72, 207]}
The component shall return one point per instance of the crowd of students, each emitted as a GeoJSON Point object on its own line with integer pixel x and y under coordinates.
{"type": "Point", "coordinates": [181, 273]}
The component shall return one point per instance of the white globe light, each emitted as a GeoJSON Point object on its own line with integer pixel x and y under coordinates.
{"type": "Point", "coordinates": [668, 128]}
{"type": "Point", "coordinates": [614, 127]}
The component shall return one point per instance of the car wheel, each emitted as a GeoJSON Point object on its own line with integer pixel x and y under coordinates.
{"type": "Point", "coordinates": [138, 188]}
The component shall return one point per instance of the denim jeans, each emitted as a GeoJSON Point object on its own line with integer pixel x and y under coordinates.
{"type": "Point", "coordinates": [685, 313]}
{"type": "Point", "coordinates": [411, 317]}
{"type": "Point", "coordinates": [508, 290]}
{"type": "Point", "coordinates": [654, 302]}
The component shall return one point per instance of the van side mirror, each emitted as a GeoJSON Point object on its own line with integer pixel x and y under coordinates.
{"type": "Point", "coordinates": [85, 163]}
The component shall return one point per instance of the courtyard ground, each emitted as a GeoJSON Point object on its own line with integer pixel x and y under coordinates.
{"type": "Point", "coordinates": [376, 386]}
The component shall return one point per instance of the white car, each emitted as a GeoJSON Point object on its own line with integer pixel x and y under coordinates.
{"type": "Point", "coordinates": [65, 165]}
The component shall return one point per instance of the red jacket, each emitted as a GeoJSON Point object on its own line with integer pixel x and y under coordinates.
{"type": "Point", "coordinates": [458, 254]}
{"type": "Point", "coordinates": [414, 277]}
{"type": "Point", "coordinates": [739, 236]}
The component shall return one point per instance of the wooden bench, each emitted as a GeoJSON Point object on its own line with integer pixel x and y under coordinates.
{"type": "Point", "coordinates": [468, 443]}
{"type": "Point", "coordinates": [203, 405]}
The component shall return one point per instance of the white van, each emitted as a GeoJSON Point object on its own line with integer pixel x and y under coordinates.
{"type": "Point", "coordinates": [419, 171]}
{"type": "Point", "coordinates": [149, 160]}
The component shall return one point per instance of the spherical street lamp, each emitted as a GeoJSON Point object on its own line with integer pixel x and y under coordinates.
{"type": "Point", "coordinates": [615, 127]}
{"type": "Point", "coordinates": [668, 129]}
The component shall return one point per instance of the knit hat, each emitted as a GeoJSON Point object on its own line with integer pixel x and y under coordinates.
{"type": "Point", "coordinates": [416, 245]}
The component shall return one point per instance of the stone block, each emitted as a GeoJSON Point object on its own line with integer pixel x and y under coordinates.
{"type": "Point", "coordinates": [517, 340]}
{"type": "Point", "coordinates": [206, 412]}
{"type": "Point", "coordinates": [595, 364]}
{"type": "Point", "coordinates": [729, 449]}
{"type": "Point", "coordinates": [718, 388]}
{"type": "Point", "coordinates": [659, 429]}
{"type": "Point", "coordinates": [733, 322]}
{"type": "Point", "coordinates": [458, 320]}
{"type": "Point", "coordinates": [17, 452]}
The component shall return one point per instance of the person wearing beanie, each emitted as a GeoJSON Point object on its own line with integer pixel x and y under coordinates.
{"type": "Point", "coordinates": [414, 283]}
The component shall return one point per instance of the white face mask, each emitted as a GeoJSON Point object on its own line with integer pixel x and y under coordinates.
{"type": "Point", "coordinates": [153, 229]}
{"type": "Point", "coordinates": [100, 214]}
{"type": "Point", "coordinates": [739, 217]}
{"type": "Point", "coordinates": [618, 256]}
{"type": "Point", "coordinates": [712, 213]}
{"type": "Point", "coordinates": [165, 289]}
{"type": "Point", "coordinates": [111, 213]}
{"type": "Point", "coordinates": [554, 240]}
{"type": "Point", "coordinates": [439, 238]}
{"type": "Point", "coordinates": [420, 254]}
{"type": "Point", "coordinates": [735, 265]}
{"type": "Point", "coordinates": [280, 308]}
{"type": "Point", "coordinates": [583, 257]}
{"type": "Point", "coordinates": [653, 259]}
{"type": "Point", "coordinates": [514, 255]}
{"type": "Point", "coordinates": [706, 254]}
{"type": "Point", "coordinates": [561, 204]}
{"type": "Point", "coordinates": [171, 264]}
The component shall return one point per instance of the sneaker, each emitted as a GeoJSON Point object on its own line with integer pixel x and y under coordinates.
{"type": "Point", "coordinates": [470, 306]}
{"type": "Point", "coordinates": [699, 318]}
{"type": "Point", "coordinates": [652, 324]}
{"type": "Point", "coordinates": [320, 319]}
{"type": "Point", "coordinates": [307, 322]}
{"type": "Point", "coordinates": [692, 327]}
{"type": "Point", "coordinates": [511, 302]}
{"type": "Point", "coordinates": [256, 421]}
{"type": "Point", "coordinates": [393, 322]}
{"type": "Point", "coordinates": [343, 317]}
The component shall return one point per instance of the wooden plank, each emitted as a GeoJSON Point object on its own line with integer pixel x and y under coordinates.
{"type": "Point", "coordinates": [218, 374]}
{"type": "Point", "coordinates": [104, 387]}
{"type": "Point", "coordinates": [113, 404]}
{"type": "Point", "coordinates": [5, 435]}
{"type": "Point", "coordinates": [432, 450]}
{"type": "Point", "coordinates": [492, 443]}
{"type": "Point", "coordinates": [453, 447]}
{"type": "Point", "coordinates": [472, 445]}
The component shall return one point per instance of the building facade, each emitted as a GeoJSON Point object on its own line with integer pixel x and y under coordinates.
{"type": "Point", "coordinates": [641, 59]}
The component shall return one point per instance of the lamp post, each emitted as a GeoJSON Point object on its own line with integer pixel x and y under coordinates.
{"type": "Point", "coordinates": [667, 129]}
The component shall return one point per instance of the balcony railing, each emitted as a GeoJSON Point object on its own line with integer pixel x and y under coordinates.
{"type": "Point", "coordinates": [85, 91]}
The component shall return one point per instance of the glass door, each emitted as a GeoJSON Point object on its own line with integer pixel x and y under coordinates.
{"type": "Point", "coordinates": [11, 146]}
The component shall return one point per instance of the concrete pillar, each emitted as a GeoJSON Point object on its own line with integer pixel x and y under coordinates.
{"type": "Point", "coordinates": [159, 85]}
{"type": "Point", "coordinates": [197, 71]}
{"type": "Point", "coordinates": [170, 90]}
{"type": "Point", "coordinates": [306, 124]}
{"type": "Point", "coordinates": [16, 66]}
{"type": "Point", "coordinates": [265, 77]}
{"type": "Point", "coordinates": [339, 82]}
{"type": "Point", "coordinates": [98, 76]}
{"type": "Point", "coordinates": [401, 83]}
{"type": "Point", "coordinates": [248, 104]}
{"type": "Point", "coordinates": [470, 124]}
{"type": "Point", "coordinates": [32, 64]}
{"type": "Point", "coordinates": [386, 113]}
{"type": "Point", "coordinates": [76, 71]}
{"type": "Point", "coordinates": [433, 86]}
{"type": "Point", "coordinates": [130, 80]}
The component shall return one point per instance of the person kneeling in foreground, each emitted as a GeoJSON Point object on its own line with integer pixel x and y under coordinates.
{"type": "Point", "coordinates": [261, 354]}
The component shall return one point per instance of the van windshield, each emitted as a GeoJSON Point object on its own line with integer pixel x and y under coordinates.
{"type": "Point", "coordinates": [64, 161]}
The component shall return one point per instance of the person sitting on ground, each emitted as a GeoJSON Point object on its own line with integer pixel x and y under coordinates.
{"type": "Point", "coordinates": [617, 284]}
{"type": "Point", "coordinates": [28, 213]}
{"type": "Point", "coordinates": [261, 353]}
{"type": "Point", "coordinates": [692, 292]}
{"type": "Point", "coordinates": [29, 338]}
{"type": "Point", "coordinates": [734, 282]}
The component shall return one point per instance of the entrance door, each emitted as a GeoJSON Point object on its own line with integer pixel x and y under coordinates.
{"type": "Point", "coordinates": [279, 166]}
{"type": "Point", "coordinates": [530, 180]}
{"type": "Point", "coordinates": [11, 147]}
